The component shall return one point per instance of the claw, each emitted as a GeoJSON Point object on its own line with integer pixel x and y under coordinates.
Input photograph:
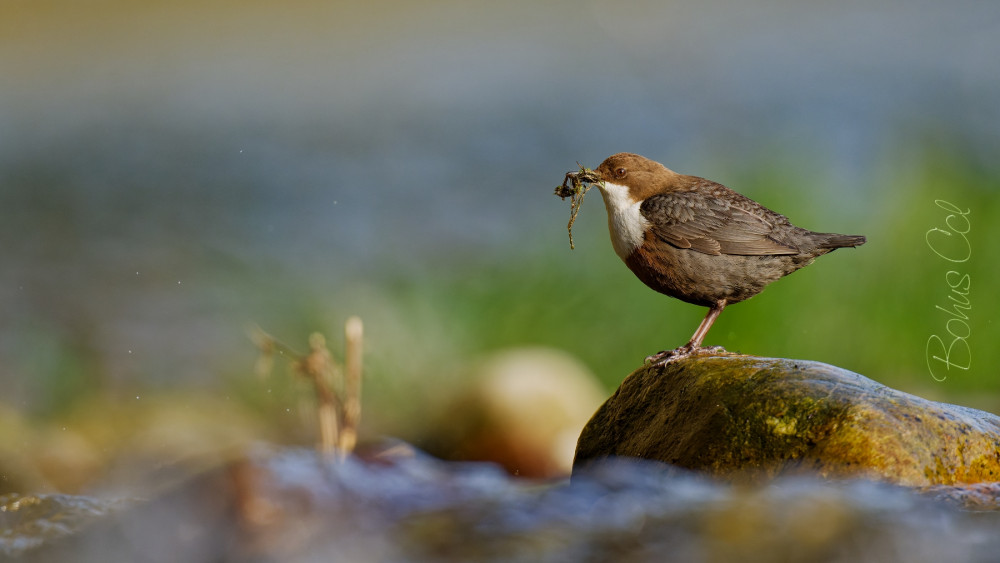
{"type": "Point", "coordinates": [667, 356]}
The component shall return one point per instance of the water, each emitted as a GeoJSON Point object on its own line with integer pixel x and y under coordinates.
{"type": "Point", "coordinates": [289, 505]}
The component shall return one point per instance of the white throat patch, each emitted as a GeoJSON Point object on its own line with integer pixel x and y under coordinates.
{"type": "Point", "coordinates": [625, 221]}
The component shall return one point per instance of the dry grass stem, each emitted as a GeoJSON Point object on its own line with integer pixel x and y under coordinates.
{"type": "Point", "coordinates": [337, 390]}
{"type": "Point", "coordinates": [353, 334]}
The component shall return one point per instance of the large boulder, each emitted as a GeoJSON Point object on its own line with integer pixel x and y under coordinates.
{"type": "Point", "coordinates": [750, 418]}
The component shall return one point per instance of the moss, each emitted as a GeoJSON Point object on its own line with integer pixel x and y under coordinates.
{"type": "Point", "coordinates": [575, 186]}
{"type": "Point", "coordinates": [750, 417]}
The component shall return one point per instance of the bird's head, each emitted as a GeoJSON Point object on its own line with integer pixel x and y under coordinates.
{"type": "Point", "coordinates": [632, 178]}
{"type": "Point", "coordinates": [626, 180]}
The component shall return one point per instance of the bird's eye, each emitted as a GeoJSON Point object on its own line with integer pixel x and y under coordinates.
{"type": "Point", "coordinates": [620, 172]}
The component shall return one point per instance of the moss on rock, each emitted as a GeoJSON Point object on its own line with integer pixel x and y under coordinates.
{"type": "Point", "coordinates": [752, 418]}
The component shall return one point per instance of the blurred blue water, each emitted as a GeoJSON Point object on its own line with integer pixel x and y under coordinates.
{"type": "Point", "coordinates": [167, 171]}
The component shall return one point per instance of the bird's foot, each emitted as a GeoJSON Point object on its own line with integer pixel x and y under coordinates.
{"type": "Point", "coordinates": [686, 351]}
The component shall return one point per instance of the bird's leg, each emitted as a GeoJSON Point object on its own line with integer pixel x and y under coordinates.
{"type": "Point", "coordinates": [706, 324]}
{"type": "Point", "coordinates": [693, 345]}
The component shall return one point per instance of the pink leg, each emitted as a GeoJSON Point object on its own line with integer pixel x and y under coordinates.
{"type": "Point", "coordinates": [694, 344]}
{"type": "Point", "coordinates": [706, 324]}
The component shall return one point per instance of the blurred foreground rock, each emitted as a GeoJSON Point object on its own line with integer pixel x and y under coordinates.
{"type": "Point", "coordinates": [108, 444]}
{"type": "Point", "coordinates": [752, 419]}
{"type": "Point", "coordinates": [293, 505]}
{"type": "Point", "coordinates": [524, 410]}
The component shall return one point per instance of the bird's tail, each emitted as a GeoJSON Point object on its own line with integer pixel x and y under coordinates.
{"type": "Point", "coordinates": [833, 240]}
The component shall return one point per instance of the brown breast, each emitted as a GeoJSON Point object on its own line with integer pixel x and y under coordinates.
{"type": "Point", "coordinates": [703, 279]}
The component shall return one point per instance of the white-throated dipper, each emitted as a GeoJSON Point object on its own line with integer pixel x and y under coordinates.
{"type": "Point", "coordinates": [697, 240]}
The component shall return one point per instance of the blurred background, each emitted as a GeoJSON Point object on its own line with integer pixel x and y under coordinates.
{"type": "Point", "coordinates": [172, 173]}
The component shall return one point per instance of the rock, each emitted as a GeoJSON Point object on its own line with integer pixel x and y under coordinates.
{"type": "Point", "coordinates": [524, 410]}
{"type": "Point", "coordinates": [971, 496]}
{"type": "Point", "coordinates": [750, 418]}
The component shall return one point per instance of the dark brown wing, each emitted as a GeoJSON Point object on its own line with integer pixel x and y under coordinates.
{"type": "Point", "coordinates": [713, 225]}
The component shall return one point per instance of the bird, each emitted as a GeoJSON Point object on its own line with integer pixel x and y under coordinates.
{"type": "Point", "coordinates": [697, 240]}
